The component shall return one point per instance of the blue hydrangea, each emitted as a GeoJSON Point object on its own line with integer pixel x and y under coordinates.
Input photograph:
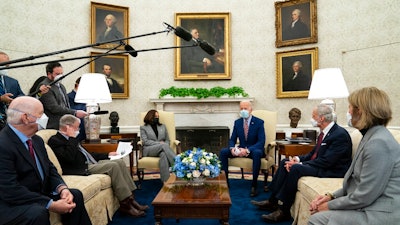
{"type": "Point", "coordinates": [195, 163]}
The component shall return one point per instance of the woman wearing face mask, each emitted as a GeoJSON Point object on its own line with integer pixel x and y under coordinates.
{"type": "Point", "coordinates": [156, 143]}
{"type": "Point", "coordinates": [371, 187]}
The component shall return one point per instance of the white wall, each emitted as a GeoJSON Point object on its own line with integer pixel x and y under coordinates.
{"type": "Point", "coordinates": [360, 37]}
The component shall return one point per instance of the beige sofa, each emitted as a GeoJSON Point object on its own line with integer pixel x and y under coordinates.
{"type": "Point", "coordinates": [100, 202]}
{"type": "Point", "coordinates": [310, 187]}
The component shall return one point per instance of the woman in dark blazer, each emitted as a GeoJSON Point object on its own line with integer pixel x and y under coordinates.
{"type": "Point", "coordinates": [156, 142]}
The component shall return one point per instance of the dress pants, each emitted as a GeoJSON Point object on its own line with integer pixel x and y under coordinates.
{"type": "Point", "coordinates": [167, 157]}
{"type": "Point", "coordinates": [121, 180]}
{"type": "Point", "coordinates": [284, 184]}
{"type": "Point", "coordinates": [255, 155]}
{"type": "Point", "coordinates": [36, 214]}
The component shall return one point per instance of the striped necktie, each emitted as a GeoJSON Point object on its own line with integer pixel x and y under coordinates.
{"type": "Point", "coordinates": [319, 141]}
{"type": "Point", "coordinates": [246, 128]}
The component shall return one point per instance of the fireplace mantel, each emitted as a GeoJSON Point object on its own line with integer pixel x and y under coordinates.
{"type": "Point", "coordinates": [194, 105]}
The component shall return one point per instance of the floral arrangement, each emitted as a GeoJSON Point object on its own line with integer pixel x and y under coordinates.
{"type": "Point", "coordinates": [196, 163]}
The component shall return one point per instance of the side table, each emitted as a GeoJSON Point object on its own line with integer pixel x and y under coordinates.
{"type": "Point", "coordinates": [106, 146]}
{"type": "Point", "coordinates": [292, 150]}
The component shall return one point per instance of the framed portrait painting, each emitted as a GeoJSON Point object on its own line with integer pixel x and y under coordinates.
{"type": "Point", "coordinates": [294, 71]}
{"type": "Point", "coordinates": [115, 67]}
{"type": "Point", "coordinates": [192, 60]}
{"type": "Point", "coordinates": [108, 23]}
{"type": "Point", "coordinates": [296, 22]}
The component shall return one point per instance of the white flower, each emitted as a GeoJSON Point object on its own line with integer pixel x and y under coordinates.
{"type": "Point", "coordinates": [206, 172]}
{"type": "Point", "coordinates": [196, 173]}
{"type": "Point", "coordinates": [189, 175]}
{"type": "Point", "coordinates": [202, 161]}
{"type": "Point", "coordinates": [193, 164]}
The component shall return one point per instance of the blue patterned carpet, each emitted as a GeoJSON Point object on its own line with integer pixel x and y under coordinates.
{"type": "Point", "coordinates": [242, 212]}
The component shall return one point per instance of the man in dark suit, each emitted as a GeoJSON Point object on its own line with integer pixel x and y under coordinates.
{"type": "Point", "coordinates": [113, 85]}
{"type": "Point", "coordinates": [331, 157]}
{"type": "Point", "coordinates": [298, 81]}
{"type": "Point", "coordinates": [111, 32]}
{"type": "Point", "coordinates": [9, 89]}
{"type": "Point", "coordinates": [30, 186]}
{"type": "Point", "coordinates": [75, 160]}
{"type": "Point", "coordinates": [296, 29]}
{"type": "Point", "coordinates": [251, 145]}
{"type": "Point", "coordinates": [55, 102]}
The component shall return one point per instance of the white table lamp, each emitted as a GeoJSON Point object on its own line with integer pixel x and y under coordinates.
{"type": "Point", "coordinates": [328, 84]}
{"type": "Point", "coordinates": [92, 90]}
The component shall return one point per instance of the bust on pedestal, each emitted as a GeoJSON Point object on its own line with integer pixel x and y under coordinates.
{"type": "Point", "coordinates": [114, 122]}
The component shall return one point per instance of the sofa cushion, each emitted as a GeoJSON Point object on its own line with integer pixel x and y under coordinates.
{"type": "Point", "coordinates": [89, 185]}
{"type": "Point", "coordinates": [311, 187]}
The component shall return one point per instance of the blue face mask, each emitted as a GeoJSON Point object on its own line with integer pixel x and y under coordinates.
{"type": "Point", "coordinates": [244, 114]}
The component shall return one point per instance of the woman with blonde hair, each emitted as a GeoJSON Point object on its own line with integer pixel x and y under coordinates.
{"type": "Point", "coordinates": [371, 187]}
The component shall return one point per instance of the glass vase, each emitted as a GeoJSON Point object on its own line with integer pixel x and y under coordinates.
{"type": "Point", "coordinates": [197, 181]}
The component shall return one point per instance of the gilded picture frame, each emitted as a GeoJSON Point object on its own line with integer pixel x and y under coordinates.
{"type": "Point", "coordinates": [294, 71]}
{"type": "Point", "coordinates": [296, 22]}
{"type": "Point", "coordinates": [108, 22]}
{"type": "Point", "coordinates": [117, 66]}
{"type": "Point", "coordinates": [193, 63]}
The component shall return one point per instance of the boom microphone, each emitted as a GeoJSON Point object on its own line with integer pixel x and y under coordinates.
{"type": "Point", "coordinates": [207, 47]}
{"type": "Point", "coordinates": [129, 48]}
{"type": "Point", "coordinates": [180, 32]}
{"type": "Point", "coordinates": [99, 112]}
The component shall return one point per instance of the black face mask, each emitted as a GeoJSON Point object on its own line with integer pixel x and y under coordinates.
{"type": "Point", "coordinates": [156, 120]}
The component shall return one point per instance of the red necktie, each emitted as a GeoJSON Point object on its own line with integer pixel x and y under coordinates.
{"type": "Point", "coordinates": [320, 137]}
{"type": "Point", "coordinates": [31, 151]}
{"type": "Point", "coordinates": [246, 128]}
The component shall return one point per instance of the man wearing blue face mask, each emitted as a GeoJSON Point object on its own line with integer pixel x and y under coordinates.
{"type": "Point", "coordinates": [331, 157]}
{"type": "Point", "coordinates": [251, 134]}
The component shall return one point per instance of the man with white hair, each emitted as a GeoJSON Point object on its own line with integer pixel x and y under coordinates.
{"type": "Point", "coordinates": [30, 185]}
{"type": "Point", "coordinates": [111, 32]}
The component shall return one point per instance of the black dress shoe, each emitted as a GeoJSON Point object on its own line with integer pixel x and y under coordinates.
{"type": "Point", "coordinates": [276, 217]}
{"type": "Point", "coordinates": [253, 192]}
{"type": "Point", "coordinates": [265, 205]}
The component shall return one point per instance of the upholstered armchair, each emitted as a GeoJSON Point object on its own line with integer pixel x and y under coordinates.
{"type": "Point", "coordinates": [270, 120]}
{"type": "Point", "coordinates": [142, 163]}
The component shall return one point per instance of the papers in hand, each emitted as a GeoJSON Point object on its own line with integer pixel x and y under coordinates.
{"type": "Point", "coordinates": [124, 149]}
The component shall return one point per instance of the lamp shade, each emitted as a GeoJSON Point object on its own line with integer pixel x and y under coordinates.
{"type": "Point", "coordinates": [93, 89]}
{"type": "Point", "coordinates": [328, 83]}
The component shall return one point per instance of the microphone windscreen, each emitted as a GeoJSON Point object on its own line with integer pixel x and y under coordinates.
{"type": "Point", "coordinates": [182, 33]}
{"type": "Point", "coordinates": [207, 47]}
{"type": "Point", "coordinates": [130, 48]}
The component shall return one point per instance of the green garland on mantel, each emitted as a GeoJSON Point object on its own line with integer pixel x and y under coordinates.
{"type": "Point", "coordinates": [203, 92]}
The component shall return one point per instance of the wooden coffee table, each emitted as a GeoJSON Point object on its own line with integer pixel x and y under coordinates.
{"type": "Point", "coordinates": [178, 200]}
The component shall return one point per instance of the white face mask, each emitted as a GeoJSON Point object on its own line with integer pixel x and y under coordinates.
{"type": "Point", "coordinates": [349, 117]}
{"type": "Point", "coordinates": [314, 123]}
{"type": "Point", "coordinates": [76, 133]}
{"type": "Point", "coordinates": [58, 77]}
{"type": "Point", "coordinates": [4, 72]}
{"type": "Point", "coordinates": [42, 122]}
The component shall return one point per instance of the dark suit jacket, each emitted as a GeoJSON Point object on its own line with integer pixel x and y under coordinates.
{"type": "Point", "coordinates": [334, 154]}
{"type": "Point", "coordinates": [255, 137]}
{"type": "Point", "coordinates": [20, 182]}
{"type": "Point", "coordinates": [114, 87]}
{"type": "Point", "coordinates": [113, 34]}
{"type": "Point", "coordinates": [302, 82]}
{"type": "Point", "coordinates": [54, 105]}
{"type": "Point", "coordinates": [72, 161]}
{"type": "Point", "coordinates": [299, 30]}
{"type": "Point", "coordinates": [11, 85]}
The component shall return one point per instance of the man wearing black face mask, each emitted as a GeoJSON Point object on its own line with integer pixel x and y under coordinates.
{"type": "Point", "coordinates": [156, 142]}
